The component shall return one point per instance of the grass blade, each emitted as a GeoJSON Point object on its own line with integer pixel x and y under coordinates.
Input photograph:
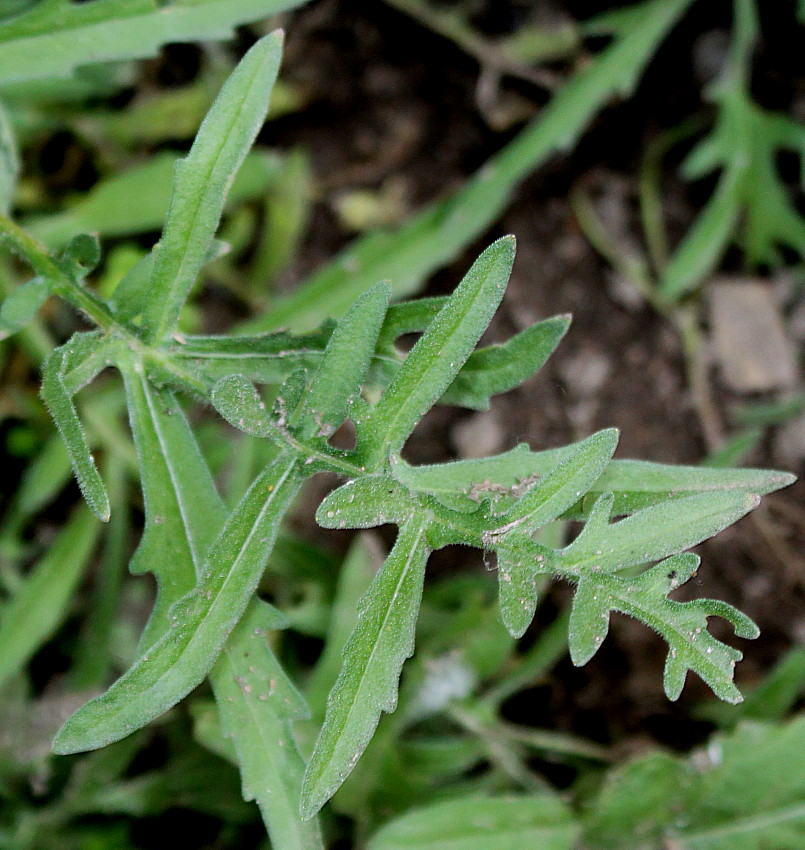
{"type": "Point", "coordinates": [57, 36]}
{"type": "Point", "coordinates": [41, 603]}
{"type": "Point", "coordinates": [439, 233]}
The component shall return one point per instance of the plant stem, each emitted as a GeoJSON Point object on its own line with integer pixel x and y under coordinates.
{"type": "Point", "coordinates": [61, 283]}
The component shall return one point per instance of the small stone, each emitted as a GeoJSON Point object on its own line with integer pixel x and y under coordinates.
{"type": "Point", "coordinates": [750, 344]}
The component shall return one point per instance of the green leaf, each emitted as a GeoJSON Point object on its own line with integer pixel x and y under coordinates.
{"type": "Point", "coordinates": [707, 240]}
{"type": "Point", "coordinates": [521, 565]}
{"type": "Point", "coordinates": [733, 794]}
{"type": "Point", "coordinates": [636, 804]}
{"type": "Point", "coordinates": [653, 533]}
{"type": "Point", "coordinates": [202, 180]}
{"type": "Point", "coordinates": [367, 685]}
{"type": "Point", "coordinates": [267, 359]}
{"type": "Point", "coordinates": [500, 368]}
{"type": "Point", "coordinates": [344, 364]}
{"type": "Point", "coordinates": [257, 703]}
{"type": "Point", "coordinates": [132, 291]}
{"type": "Point", "coordinates": [482, 823]}
{"type": "Point", "coordinates": [354, 578]}
{"type": "Point", "coordinates": [238, 402]}
{"type": "Point", "coordinates": [436, 236]}
{"type": "Point", "coordinates": [683, 625]}
{"type": "Point", "coordinates": [752, 205]}
{"type": "Point", "coordinates": [751, 794]}
{"type": "Point", "coordinates": [199, 623]}
{"type": "Point", "coordinates": [41, 603]}
{"type": "Point", "coordinates": [634, 483]}
{"type": "Point", "coordinates": [562, 487]}
{"type": "Point", "coordinates": [106, 209]}
{"type": "Point", "coordinates": [365, 503]}
{"type": "Point", "coordinates": [438, 355]}
{"type": "Point", "coordinates": [22, 305]}
{"type": "Point", "coordinates": [57, 36]}
{"type": "Point", "coordinates": [183, 511]}
{"type": "Point", "coordinates": [60, 404]}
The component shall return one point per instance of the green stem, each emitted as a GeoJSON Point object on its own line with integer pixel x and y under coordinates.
{"type": "Point", "coordinates": [62, 284]}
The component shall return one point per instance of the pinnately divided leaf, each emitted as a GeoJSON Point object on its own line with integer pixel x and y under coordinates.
{"type": "Point", "coordinates": [373, 657]}
{"type": "Point", "coordinates": [202, 180]}
{"type": "Point", "coordinates": [653, 533]}
{"type": "Point", "coordinates": [683, 625]}
{"type": "Point", "coordinates": [439, 353]}
{"type": "Point", "coordinates": [601, 550]}
{"type": "Point", "coordinates": [563, 486]}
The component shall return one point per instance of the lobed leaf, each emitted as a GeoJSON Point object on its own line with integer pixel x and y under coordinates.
{"type": "Point", "coordinates": [202, 180]}
{"type": "Point", "coordinates": [56, 36]}
{"type": "Point", "coordinates": [60, 404]}
{"type": "Point", "coordinates": [199, 623]}
{"type": "Point", "coordinates": [683, 625]}
{"type": "Point", "coordinates": [365, 503]}
{"type": "Point", "coordinates": [563, 486]}
{"type": "Point", "coordinates": [521, 564]}
{"type": "Point", "coordinates": [634, 484]}
{"type": "Point", "coordinates": [438, 355]}
{"type": "Point", "coordinates": [373, 657]}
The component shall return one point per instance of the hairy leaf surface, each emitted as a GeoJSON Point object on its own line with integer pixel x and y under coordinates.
{"type": "Point", "coordinates": [439, 353]}
{"type": "Point", "coordinates": [59, 402]}
{"type": "Point", "coordinates": [257, 701]}
{"type": "Point", "coordinates": [367, 685]}
{"type": "Point", "coordinates": [200, 622]}
{"type": "Point", "coordinates": [202, 180]}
